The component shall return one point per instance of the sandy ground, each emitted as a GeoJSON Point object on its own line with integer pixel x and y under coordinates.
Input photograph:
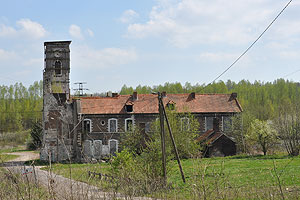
{"type": "Point", "coordinates": [59, 186]}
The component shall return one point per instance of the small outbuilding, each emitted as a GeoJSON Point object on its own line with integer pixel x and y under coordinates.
{"type": "Point", "coordinates": [216, 143]}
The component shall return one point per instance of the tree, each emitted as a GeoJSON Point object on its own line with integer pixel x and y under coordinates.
{"type": "Point", "coordinates": [262, 134]}
{"type": "Point", "coordinates": [35, 140]}
{"type": "Point", "coordinates": [288, 128]}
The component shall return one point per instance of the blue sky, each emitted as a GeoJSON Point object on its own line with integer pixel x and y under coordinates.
{"type": "Point", "coordinates": [150, 42]}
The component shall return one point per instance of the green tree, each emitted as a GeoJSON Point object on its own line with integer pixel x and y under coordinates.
{"type": "Point", "coordinates": [262, 134]}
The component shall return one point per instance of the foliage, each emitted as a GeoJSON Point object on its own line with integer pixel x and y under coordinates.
{"type": "Point", "coordinates": [288, 127]}
{"type": "Point", "coordinates": [13, 139]}
{"type": "Point", "coordinates": [20, 107]}
{"type": "Point", "coordinates": [36, 134]}
{"type": "Point", "coordinates": [262, 134]}
{"type": "Point", "coordinates": [123, 159]}
{"type": "Point", "coordinates": [133, 140]}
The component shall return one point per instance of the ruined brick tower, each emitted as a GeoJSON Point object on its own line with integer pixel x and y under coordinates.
{"type": "Point", "coordinates": [57, 113]}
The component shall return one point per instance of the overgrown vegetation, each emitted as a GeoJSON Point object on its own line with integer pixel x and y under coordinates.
{"type": "Point", "coordinates": [13, 139]}
{"type": "Point", "coordinates": [237, 177]}
{"type": "Point", "coordinates": [14, 186]}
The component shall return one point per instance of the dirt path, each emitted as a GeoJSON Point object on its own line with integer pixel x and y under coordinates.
{"type": "Point", "coordinates": [57, 185]}
{"type": "Point", "coordinates": [24, 156]}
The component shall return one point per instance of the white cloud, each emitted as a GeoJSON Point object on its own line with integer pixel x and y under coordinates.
{"type": "Point", "coordinates": [31, 29]}
{"type": "Point", "coordinates": [7, 55]}
{"type": "Point", "coordinates": [193, 22]}
{"type": "Point", "coordinates": [90, 32]}
{"type": "Point", "coordinates": [75, 31]}
{"type": "Point", "coordinates": [27, 29]}
{"type": "Point", "coordinates": [84, 56]}
{"type": "Point", "coordinates": [217, 57]}
{"type": "Point", "coordinates": [128, 16]}
{"type": "Point", "coordinates": [292, 54]}
{"type": "Point", "coordinates": [7, 31]}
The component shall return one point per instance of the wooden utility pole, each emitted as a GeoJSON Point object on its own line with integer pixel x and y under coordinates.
{"type": "Point", "coordinates": [173, 141]}
{"type": "Point", "coordinates": [163, 136]}
{"type": "Point", "coordinates": [163, 114]}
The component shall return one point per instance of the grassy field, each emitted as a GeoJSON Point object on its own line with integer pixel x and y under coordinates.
{"type": "Point", "coordinates": [4, 157]}
{"type": "Point", "coordinates": [239, 177]}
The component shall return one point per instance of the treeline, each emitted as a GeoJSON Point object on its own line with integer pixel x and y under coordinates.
{"type": "Point", "coordinates": [20, 107]}
{"type": "Point", "coordinates": [261, 100]}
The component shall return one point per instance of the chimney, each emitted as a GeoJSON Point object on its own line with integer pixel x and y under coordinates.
{"type": "Point", "coordinates": [216, 124]}
{"type": "Point", "coordinates": [134, 96]}
{"type": "Point", "coordinates": [233, 96]}
{"type": "Point", "coordinates": [163, 94]}
{"type": "Point", "coordinates": [114, 94]}
{"type": "Point", "coordinates": [193, 95]}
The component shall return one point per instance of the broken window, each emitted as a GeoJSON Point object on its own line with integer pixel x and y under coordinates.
{"type": "Point", "coordinates": [128, 124]}
{"type": "Point", "coordinates": [227, 123]}
{"type": "Point", "coordinates": [208, 123]}
{"type": "Point", "coordinates": [171, 105]}
{"type": "Point", "coordinates": [129, 108]}
{"type": "Point", "coordinates": [185, 124]}
{"type": "Point", "coordinates": [57, 67]}
{"type": "Point", "coordinates": [112, 125]}
{"type": "Point", "coordinates": [113, 146]}
{"type": "Point", "coordinates": [87, 125]}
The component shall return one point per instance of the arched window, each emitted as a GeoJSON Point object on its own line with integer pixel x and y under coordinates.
{"type": "Point", "coordinates": [57, 67]}
{"type": "Point", "coordinates": [129, 124]}
{"type": "Point", "coordinates": [87, 125]}
{"type": "Point", "coordinates": [112, 125]}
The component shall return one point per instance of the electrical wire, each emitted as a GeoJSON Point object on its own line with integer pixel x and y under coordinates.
{"type": "Point", "coordinates": [291, 73]}
{"type": "Point", "coordinates": [252, 43]}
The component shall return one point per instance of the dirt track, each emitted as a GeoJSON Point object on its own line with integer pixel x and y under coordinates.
{"type": "Point", "coordinates": [24, 156]}
{"type": "Point", "coordinates": [59, 186]}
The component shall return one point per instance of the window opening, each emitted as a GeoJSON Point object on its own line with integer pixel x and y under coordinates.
{"type": "Point", "coordinates": [208, 123]}
{"type": "Point", "coordinates": [113, 146]}
{"type": "Point", "coordinates": [227, 123]}
{"type": "Point", "coordinates": [185, 124]}
{"type": "Point", "coordinates": [57, 67]}
{"type": "Point", "coordinates": [129, 108]}
{"type": "Point", "coordinates": [128, 124]}
{"type": "Point", "coordinates": [112, 125]}
{"type": "Point", "coordinates": [87, 125]}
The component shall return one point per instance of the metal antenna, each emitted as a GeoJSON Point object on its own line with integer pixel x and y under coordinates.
{"type": "Point", "coordinates": [80, 88]}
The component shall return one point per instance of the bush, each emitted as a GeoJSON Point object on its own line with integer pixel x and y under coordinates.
{"type": "Point", "coordinates": [35, 140]}
{"type": "Point", "coordinates": [13, 138]}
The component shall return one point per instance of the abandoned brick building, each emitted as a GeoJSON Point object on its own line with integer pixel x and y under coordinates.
{"type": "Point", "coordinates": [85, 128]}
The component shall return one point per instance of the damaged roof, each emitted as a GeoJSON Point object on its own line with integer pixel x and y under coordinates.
{"type": "Point", "coordinates": [210, 136]}
{"type": "Point", "coordinates": [148, 103]}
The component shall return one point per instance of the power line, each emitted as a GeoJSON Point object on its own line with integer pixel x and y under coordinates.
{"type": "Point", "coordinates": [252, 43]}
{"type": "Point", "coordinates": [291, 73]}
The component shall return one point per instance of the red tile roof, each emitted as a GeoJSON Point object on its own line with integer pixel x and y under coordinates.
{"type": "Point", "coordinates": [209, 137]}
{"type": "Point", "coordinates": [148, 103]}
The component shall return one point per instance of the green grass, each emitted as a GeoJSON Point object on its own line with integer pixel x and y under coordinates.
{"type": "Point", "coordinates": [12, 149]}
{"type": "Point", "coordinates": [6, 157]}
{"type": "Point", "coordinates": [238, 177]}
